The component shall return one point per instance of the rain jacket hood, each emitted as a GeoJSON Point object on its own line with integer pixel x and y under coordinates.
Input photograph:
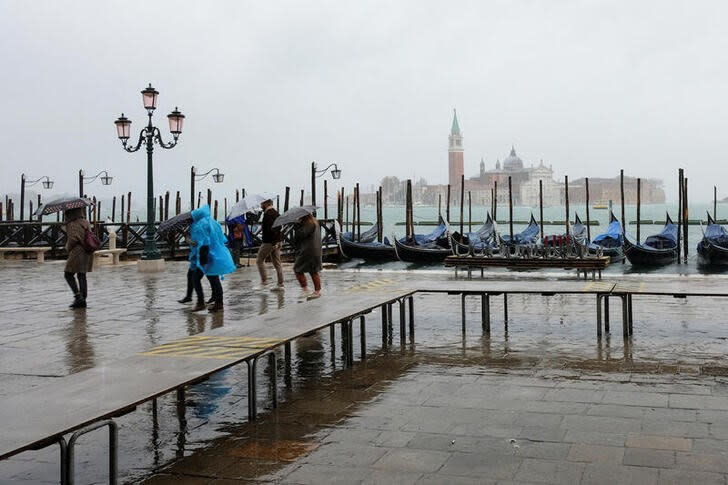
{"type": "Point", "coordinates": [206, 232]}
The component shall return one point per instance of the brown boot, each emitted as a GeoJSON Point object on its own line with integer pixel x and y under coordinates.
{"type": "Point", "coordinates": [199, 306]}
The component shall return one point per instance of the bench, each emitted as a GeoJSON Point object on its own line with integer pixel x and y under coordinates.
{"type": "Point", "coordinates": [38, 250]}
{"type": "Point", "coordinates": [72, 404]}
{"type": "Point", "coordinates": [115, 254]}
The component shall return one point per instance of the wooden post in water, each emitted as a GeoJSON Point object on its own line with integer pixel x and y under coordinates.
{"type": "Point", "coordinates": [209, 197]}
{"type": "Point", "coordinates": [225, 211]}
{"type": "Point", "coordinates": [199, 198]}
{"type": "Point", "coordinates": [128, 208]}
{"type": "Point", "coordinates": [341, 212]}
{"type": "Point", "coordinates": [566, 201]}
{"type": "Point", "coordinates": [237, 196]}
{"type": "Point", "coordinates": [113, 209]}
{"type": "Point", "coordinates": [621, 194]}
{"type": "Point", "coordinates": [462, 202]}
{"type": "Point", "coordinates": [278, 203]}
{"type": "Point", "coordinates": [178, 204]}
{"type": "Point", "coordinates": [679, 212]}
{"type": "Point", "coordinates": [214, 214]}
{"type": "Point", "coordinates": [439, 205]}
{"type": "Point", "coordinates": [358, 213]}
{"type": "Point", "coordinates": [715, 203]}
{"type": "Point", "coordinates": [639, 204]}
{"type": "Point", "coordinates": [510, 207]}
{"type": "Point", "coordinates": [122, 209]}
{"type": "Point", "coordinates": [161, 208]}
{"type": "Point", "coordinates": [686, 215]}
{"type": "Point", "coordinates": [447, 205]}
{"type": "Point", "coordinates": [470, 212]}
{"type": "Point", "coordinates": [540, 205]}
{"type": "Point", "coordinates": [347, 215]}
{"type": "Point", "coordinates": [588, 226]}
{"type": "Point", "coordinates": [495, 200]}
{"type": "Point", "coordinates": [301, 197]}
{"type": "Point", "coordinates": [166, 205]}
{"type": "Point", "coordinates": [286, 199]}
{"type": "Point", "coordinates": [380, 216]}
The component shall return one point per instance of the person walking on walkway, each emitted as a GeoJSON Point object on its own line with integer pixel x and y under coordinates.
{"type": "Point", "coordinates": [210, 256]}
{"type": "Point", "coordinates": [308, 254]}
{"type": "Point", "coordinates": [271, 246]}
{"type": "Point", "coordinates": [79, 261]}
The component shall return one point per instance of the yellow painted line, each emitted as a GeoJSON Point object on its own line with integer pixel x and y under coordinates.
{"type": "Point", "coordinates": [212, 347]}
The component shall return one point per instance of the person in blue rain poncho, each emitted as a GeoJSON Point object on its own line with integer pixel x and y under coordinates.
{"type": "Point", "coordinates": [209, 255]}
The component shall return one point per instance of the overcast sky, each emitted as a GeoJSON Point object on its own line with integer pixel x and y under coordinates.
{"type": "Point", "coordinates": [589, 86]}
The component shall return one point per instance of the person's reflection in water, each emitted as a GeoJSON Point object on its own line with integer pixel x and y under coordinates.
{"type": "Point", "coordinates": [218, 320]}
{"type": "Point", "coordinates": [263, 304]}
{"type": "Point", "coordinates": [195, 323]}
{"type": "Point", "coordinates": [80, 352]}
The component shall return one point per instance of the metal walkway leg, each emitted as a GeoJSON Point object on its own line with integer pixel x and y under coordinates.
{"type": "Point", "coordinates": [625, 315]}
{"type": "Point", "coordinates": [273, 368]}
{"type": "Point", "coordinates": [411, 302]}
{"type": "Point", "coordinates": [462, 310]}
{"type": "Point", "coordinates": [606, 314]}
{"type": "Point", "coordinates": [485, 311]}
{"type": "Point", "coordinates": [505, 307]}
{"type": "Point", "coordinates": [629, 306]}
{"type": "Point", "coordinates": [384, 325]}
{"type": "Point", "coordinates": [402, 329]}
{"type": "Point", "coordinates": [599, 315]}
{"type": "Point", "coordinates": [113, 446]}
{"type": "Point", "coordinates": [252, 390]}
{"type": "Point", "coordinates": [363, 336]}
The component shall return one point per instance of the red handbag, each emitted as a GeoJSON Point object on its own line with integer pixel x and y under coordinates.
{"type": "Point", "coordinates": [91, 241]}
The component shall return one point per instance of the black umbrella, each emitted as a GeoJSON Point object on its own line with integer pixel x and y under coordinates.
{"type": "Point", "coordinates": [64, 204]}
{"type": "Point", "coordinates": [294, 214]}
{"type": "Point", "coordinates": [176, 223]}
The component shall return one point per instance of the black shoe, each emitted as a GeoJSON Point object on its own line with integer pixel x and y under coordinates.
{"type": "Point", "coordinates": [186, 299]}
{"type": "Point", "coordinates": [212, 299]}
{"type": "Point", "coordinates": [79, 303]}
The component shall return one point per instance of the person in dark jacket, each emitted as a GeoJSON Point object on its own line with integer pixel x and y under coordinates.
{"type": "Point", "coordinates": [308, 254]}
{"type": "Point", "coordinates": [79, 261]}
{"type": "Point", "coordinates": [271, 246]}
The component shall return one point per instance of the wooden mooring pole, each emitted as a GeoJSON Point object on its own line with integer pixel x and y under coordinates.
{"type": "Point", "coordinates": [326, 201]}
{"type": "Point", "coordinates": [495, 200]}
{"type": "Point", "coordinates": [685, 219]}
{"type": "Point", "coordinates": [715, 203]}
{"type": "Point", "coordinates": [358, 213]}
{"type": "Point", "coordinates": [639, 207]}
{"type": "Point", "coordinates": [566, 202]}
{"type": "Point", "coordinates": [286, 199]}
{"type": "Point", "coordinates": [679, 213]}
{"type": "Point", "coordinates": [588, 226]}
{"type": "Point", "coordinates": [621, 192]}
{"type": "Point", "coordinates": [462, 202]}
{"type": "Point", "coordinates": [540, 205]}
{"type": "Point", "coordinates": [510, 207]}
{"type": "Point", "coordinates": [447, 205]}
{"type": "Point", "coordinates": [301, 202]}
{"type": "Point", "coordinates": [470, 212]}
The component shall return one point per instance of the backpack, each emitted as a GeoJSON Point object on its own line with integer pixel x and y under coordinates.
{"type": "Point", "coordinates": [91, 241]}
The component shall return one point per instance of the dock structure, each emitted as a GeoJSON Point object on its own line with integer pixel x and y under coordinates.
{"type": "Point", "coordinates": [92, 399]}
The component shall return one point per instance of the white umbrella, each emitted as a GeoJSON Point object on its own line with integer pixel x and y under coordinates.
{"type": "Point", "coordinates": [249, 203]}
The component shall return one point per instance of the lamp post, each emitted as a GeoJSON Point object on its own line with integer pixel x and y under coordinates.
{"type": "Point", "coordinates": [105, 180]}
{"type": "Point", "coordinates": [316, 173]}
{"type": "Point", "coordinates": [217, 177]}
{"type": "Point", "coordinates": [47, 184]}
{"type": "Point", "coordinates": [149, 135]}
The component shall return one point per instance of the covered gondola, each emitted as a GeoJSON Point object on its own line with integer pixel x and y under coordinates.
{"type": "Point", "coordinates": [476, 242]}
{"type": "Point", "coordinates": [527, 237]}
{"type": "Point", "coordinates": [576, 236]}
{"type": "Point", "coordinates": [366, 247]}
{"type": "Point", "coordinates": [430, 248]}
{"type": "Point", "coordinates": [713, 248]}
{"type": "Point", "coordinates": [657, 250]}
{"type": "Point", "coordinates": [610, 242]}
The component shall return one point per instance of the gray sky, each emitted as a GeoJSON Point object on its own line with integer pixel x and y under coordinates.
{"type": "Point", "coordinates": [589, 86]}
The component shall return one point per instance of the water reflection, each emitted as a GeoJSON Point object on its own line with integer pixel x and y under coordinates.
{"type": "Point", "coordinates": [79, 351]}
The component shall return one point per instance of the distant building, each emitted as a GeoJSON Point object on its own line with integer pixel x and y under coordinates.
{"type": "Point", "coordinates": [606, 189]}
{"type": "Point", "coordinates": [455, 153]}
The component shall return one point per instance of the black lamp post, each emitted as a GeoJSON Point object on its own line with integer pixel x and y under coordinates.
{"type": "Point", "coordinates": [217, 177]}
{"type": "Point", "coordinates": [105, 180]}
{"type": "Point", "coordinates": [315, 173]}
{"type": "Point", "coordinates": [149, 135]}
{"type": "Point", "coordinates": [47, 184]}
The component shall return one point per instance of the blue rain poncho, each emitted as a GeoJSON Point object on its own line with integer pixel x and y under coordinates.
{"type": "Point", "coordinates": [206, 232]}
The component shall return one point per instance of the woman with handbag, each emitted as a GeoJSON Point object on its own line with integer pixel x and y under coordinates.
{"type": "Point", "coordinates": [80, 259]}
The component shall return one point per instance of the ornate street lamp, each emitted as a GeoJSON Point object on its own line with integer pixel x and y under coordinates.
{"type": "Point", "coordinates": [316, 173]}
{"type": "Point", "coordinates": [105, 180]}
{"type": "Point", "coordinates": [149, 135]}
{"type": "Point", "coordinates": [217, 177]}
{"type": "Point", "coordinates": [47, 184]}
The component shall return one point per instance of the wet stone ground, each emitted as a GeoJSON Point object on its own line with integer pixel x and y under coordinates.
{"type": "Point", "coordinates": [539, 401]}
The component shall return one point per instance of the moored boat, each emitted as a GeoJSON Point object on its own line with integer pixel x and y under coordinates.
{"type": "Point", "coordinates": [610, 242]}
{"type": "Point", "coordinates": [366, 248]}
{"type": "Point", "coordinates": [713, 248]}
{"type": "Point", "coordinates": [476, 242]}
{"type": "Point", "coordinates": [430, 248]}
{"type": "Point", "coordinates": [657, 250]}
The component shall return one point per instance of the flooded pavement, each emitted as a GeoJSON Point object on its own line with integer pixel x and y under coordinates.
{"type": "Point", "coordinates": [540, 400]}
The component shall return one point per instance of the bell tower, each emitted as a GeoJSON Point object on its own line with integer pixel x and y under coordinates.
{"type": "Point", "coordinates": [455, 153]}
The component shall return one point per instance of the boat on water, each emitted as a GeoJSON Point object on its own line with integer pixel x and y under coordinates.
{"type": "Point", "coordinates": [657, 250]}
{"type": "Point", "coordinates": [366, 247]}
{"type": "Point", "coordinates": [527, 237]}
{"type": "Point", "coordinates": [476, 242]}
{"type": "Point", "coordinates": [430, 248]}
{"type": "Point", "coordinates": [713, 248]}
{"type": "Point", "coordinates": [610, 242]}
{"type": "Point", "coordinates": [600, 206]}
{"type": "Point", "coordinates": [576, 236]}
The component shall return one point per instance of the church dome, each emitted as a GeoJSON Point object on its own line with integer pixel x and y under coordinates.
{"type": "Point", "coordinates": [512, 162]}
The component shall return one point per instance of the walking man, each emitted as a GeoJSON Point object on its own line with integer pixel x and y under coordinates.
{"type": "Point", "coordinates": [271, 246]}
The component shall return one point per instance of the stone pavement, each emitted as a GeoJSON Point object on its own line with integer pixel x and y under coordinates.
{"type": "Point", "coordinates": [539, 401]}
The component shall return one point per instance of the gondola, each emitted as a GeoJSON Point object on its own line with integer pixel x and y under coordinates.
{"type": "Point", "coordinates": [526, 237]}
{"type": "Point", "coordinates": [713, 248]}
{"type": "Point", "coordinates": [610, 242]}
{"type": "Point", "coordinates": [576, 236]}
{"type": "Point", "coordinates": [476, 242]}
{"type": "Point", "coordinates": [657, 250]}
{"type": "Point", "coordinates": [367, 248]}
{"type": "Point", "coordinates": [430, 248]}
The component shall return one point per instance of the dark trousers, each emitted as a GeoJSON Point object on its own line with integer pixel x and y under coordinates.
{"type": "Point", "coordinates": [194, 281]}
{"type": "Point", "coordinates": [216, 286]}
{"type": "Point", "coordinates": [80, 289]}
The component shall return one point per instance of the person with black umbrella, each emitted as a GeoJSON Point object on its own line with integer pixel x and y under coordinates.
{"type": "Point", "coordinates": [80, 257]}
{"type": "Point", "coordinates": [307, 236]}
